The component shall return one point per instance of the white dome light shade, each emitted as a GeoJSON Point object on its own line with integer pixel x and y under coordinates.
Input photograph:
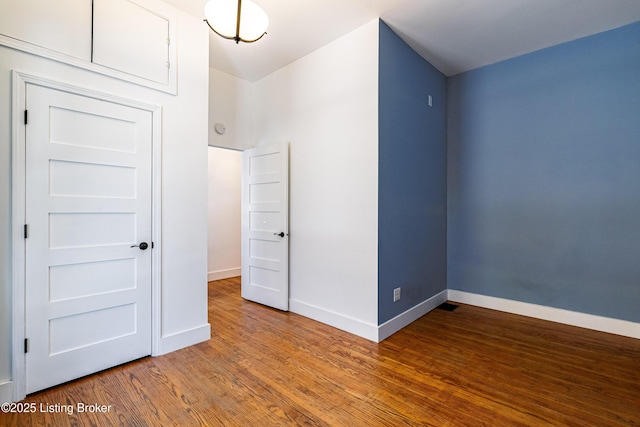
{"type": "Point", "coordinates": [222, 17]}
{"type": "Point", "coordinates": [254, 22]}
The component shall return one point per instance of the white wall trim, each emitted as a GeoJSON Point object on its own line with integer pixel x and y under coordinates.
{"type": "Point", "coordinates": [337, 320]}
{"type": "Point", "coordinates": [184, 339]}
{"type": "Point", "coordinates": [18, 215]}
{"type": "Point", "coordinates": [156, 231]}
{"type": "Point", "coordinates": [18, 185]}
{"type": "Point", "coordinates": [392, 326]}
{"type": "Point", "coordinates": [573, 318]}
{"type": "Point", "coordinates": [366, 330]}
{"type": "Point", "coordinates": [6, 392]}
{"type": "Point", "coordinates": [224, 274]}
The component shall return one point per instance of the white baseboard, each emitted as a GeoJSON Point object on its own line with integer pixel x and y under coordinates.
{"type": "Point", "coordinates": [573, 318]}
{"type": "Point", "coordinates": [184, 339]}
{"type": "Point", "coordinates": [224, 274]}
{"type": "Point", "coordinates": [392, 326]}
{"type": "Point", "coordinates": [6, 392]}
{"type": "Point", "coordinates": [337, 320]}
{"type": "Point", "coordinates": [362, 329]}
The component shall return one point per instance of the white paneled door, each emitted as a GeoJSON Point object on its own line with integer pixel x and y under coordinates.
{"type": "Point", "coordinates": [265, 225]}
{"type": "Point", "coordinates": [88, 247]}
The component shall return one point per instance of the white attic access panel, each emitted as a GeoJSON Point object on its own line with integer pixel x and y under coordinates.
{"type": "Point", "coordinates": [63, 25]}
{"type": "Point", "coordinates": [134, 37]}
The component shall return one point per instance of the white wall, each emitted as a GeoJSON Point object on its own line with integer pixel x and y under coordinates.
{"type": "Point", "coordinates": [230, 103]}
{"type": "Point", "coordinates": [184, 195]}
{"type": "Point", "coordinates": [184, 182]}
{"type": "Point", "coordinates": [326, 106]}
{"type": "Point", "coordinates": [225, 172]}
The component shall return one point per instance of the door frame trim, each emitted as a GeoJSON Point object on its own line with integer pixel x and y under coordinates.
{"type": "Point", "coordinates": [20, 81]}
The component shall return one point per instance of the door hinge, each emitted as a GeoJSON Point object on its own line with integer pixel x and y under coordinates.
{"type": "Point", "coordinates": [26, 117]}
{"type": "Point", "coordinates": [26, 231]}
{"type": "Point", "coordinates": [168, 41]}
{"type": "Point", "coordinates": [168, 64]}
{"type": "Point", "coordinates": [26, 345]}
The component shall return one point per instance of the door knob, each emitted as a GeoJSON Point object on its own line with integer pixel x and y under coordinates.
{"type": "Point", "coordinates": [142, 246]}
{"type": "Point", "coordinates": [281, 234]}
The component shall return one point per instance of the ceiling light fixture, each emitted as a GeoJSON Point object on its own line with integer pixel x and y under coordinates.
{"type": "Point", "coordinates": [223, 17]}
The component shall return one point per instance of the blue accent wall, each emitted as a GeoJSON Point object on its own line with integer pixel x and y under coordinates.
{"type": "Point", "coordinates": [544, 177]}
{"type": "Point", "coordinates": [412, 177]}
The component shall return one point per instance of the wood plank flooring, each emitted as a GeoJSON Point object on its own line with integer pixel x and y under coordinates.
{"type": "Point", "coordinates": [263, 367]}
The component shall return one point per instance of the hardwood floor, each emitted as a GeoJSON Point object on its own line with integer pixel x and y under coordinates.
{"type": "Point", "coordinates": [263, 367]}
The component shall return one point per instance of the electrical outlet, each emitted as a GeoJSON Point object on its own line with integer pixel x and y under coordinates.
{"type": "Point", "coordinates": [396, 295]}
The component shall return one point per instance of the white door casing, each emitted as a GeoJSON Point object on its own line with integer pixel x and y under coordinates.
{"type": "Point", "coordinates": [265, 225]}
{"type": "Point", "coordinates": [87, 293]}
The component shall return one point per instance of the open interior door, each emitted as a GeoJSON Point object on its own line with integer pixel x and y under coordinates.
{"type": "Point", "coordinates": [265, 225]}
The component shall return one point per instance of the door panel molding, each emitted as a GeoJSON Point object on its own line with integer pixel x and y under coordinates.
{"type": "Point", "coordinates": [20, 81]}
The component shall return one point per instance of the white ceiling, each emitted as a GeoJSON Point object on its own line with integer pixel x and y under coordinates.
{"type": "Point", "coordinates": [454, 35]}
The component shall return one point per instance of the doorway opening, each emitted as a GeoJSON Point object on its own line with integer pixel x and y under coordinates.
{"type": "Point", "coordinates": [248, 221]}
{"type": "Point", "coordinates": [224, 213]}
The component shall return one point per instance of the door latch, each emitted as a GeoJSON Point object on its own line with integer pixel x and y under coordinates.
{"type": "Point", "coordinates": [142, 246]}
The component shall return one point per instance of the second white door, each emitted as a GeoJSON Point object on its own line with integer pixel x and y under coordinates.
{"type": "Point", "coordinates": [265, 225]}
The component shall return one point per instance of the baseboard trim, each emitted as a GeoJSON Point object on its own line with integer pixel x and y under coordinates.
{"type": "Point", "coordinates": [558, 315]}
{"type": "Point", "coordinates": [337, 320]}
{"type": "Point", "coordinates": [392, 326]}
{"type": "Point", "coordinates": [224, 274]}
{"type": "Point", "coordinates": [184, 339]}
{"type": "Point", "coordinates": [363, 329]}
{"type": "Point", "coordinates": [6, 392]}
